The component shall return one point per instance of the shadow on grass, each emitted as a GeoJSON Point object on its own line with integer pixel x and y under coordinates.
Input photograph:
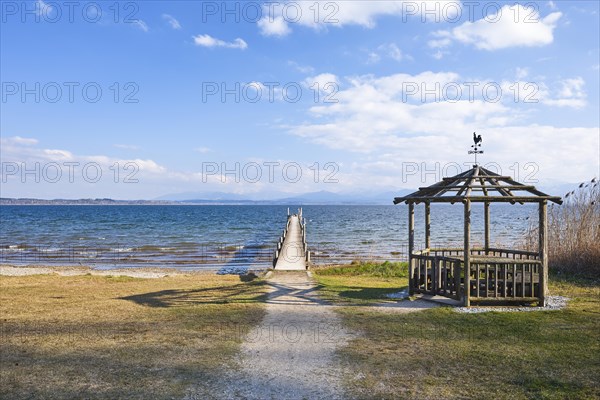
{"type": "Point", "coordinates": [361, 293]}
{"type": "Point", "coordinates": [250, 292]}
{"type": "Point", "coordinates": [357, 295]}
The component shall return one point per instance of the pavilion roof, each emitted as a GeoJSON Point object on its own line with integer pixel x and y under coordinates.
{"type": "Point", "coordinates": [478, 185]}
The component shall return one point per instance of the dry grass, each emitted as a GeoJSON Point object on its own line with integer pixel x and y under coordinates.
{"type": "Point", "coordinates": [441, 354]}
{"type": "Point", "coordinates": [108, 337]}
{"type": "Point", "coordinates": [574, 232]}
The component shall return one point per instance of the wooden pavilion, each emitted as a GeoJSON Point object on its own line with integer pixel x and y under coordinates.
{"type": "Point", "coordinates": [471, 274]}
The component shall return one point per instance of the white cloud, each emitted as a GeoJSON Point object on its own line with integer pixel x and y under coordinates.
{"type": "Point", "coordinates": [394, 52]}
{"type": "Point", "coordinates": [202, 150]}
{"type": "Point", "coordinates": [443, 41]}
{"type": "Point", "coordinates": [77, 173]}
{"type": "Point", "coordinates": [521, 73]}
{"type": "Point", "coordinates": [172, 21]}
{"type": "Point", "coordinates": [322, 14]}
{"type": "Point", "coordinates": [373, 58]}
{"type": "Point", "coordinates": [43, 9]}
{"type": "Point", "coordinates": [570, 94]}
{"type": "Point", "coordinates": [276, 26]}
{"type": "Point", "coordinates": [373, 117]}
{"type": "Point", "coordinates": [438, 55]}
{"type": "Point", "coordinates": [18, 140]}
{"type": "Point", "coordinates": [389, 50]}
{"type": "Point", "coordinates": [512, 26]}
{"type": "Point", "coordinates": [321, 79]}
{"type": "Point", "coordinates": [304, 69]}
{"type": "Point", "coordinates": [209, 41]}
{"type": "Point", "coordinates": [141, 25]}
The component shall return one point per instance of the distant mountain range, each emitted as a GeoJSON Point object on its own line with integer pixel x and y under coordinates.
{"type": "Point", "coordinates": [79, 202]}
{"type": "Point", "coordinates": [321, 197]}
{"type": "Point", "coordinates": [189, 198]}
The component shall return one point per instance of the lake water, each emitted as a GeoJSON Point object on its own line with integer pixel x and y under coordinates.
{"type": "Point", "coordinates": [214, 237]}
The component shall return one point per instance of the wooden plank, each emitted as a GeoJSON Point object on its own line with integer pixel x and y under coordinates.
{"type": "Point", "coordinates": [477, 279]}
{"type": "Point", "coordinates": [495, 281]}
{"type": "Point", "coordinates": [487, 280]}
{"type": "Point", "coordinates": [457, 279]}
{"type": "Point", "coordinates": [434, 269]}
{"type": "Point", "coordinates": [483, 187]}
{"type": "Point", "coordinates": [479, 176]}
{"type": "Point", "coordinates": [427, 225]}
{"type": "Point", "coordinates": [522, 252]}
{"type": "Point", "coordinates": [504, 269]}
{"type": "Point", "coordinates": [514, 280]}
{"type": "Point", "coordinates": [445, 276]}
{"type": "Point", "coordinates": [523, 279]}
{"type": "Point", "coordinates": [486, 213]}
{"type": "Point", "coordinates": [482, 199]}
{"type": "Point", "coordinates": [531, 291]}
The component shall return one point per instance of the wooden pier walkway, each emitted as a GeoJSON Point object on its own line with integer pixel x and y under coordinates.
{"type": "Point", "coordinates": [292, 251]}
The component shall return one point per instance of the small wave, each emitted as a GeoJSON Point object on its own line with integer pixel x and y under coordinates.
{"type": "Point", "coordinates": [122, 250]}
{"type": "Point", "coordinates": [50, 250]}
{"type": "Point", "coordinates": [230, 270]}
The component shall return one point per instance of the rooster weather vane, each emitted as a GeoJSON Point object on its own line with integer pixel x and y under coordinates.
{"type": "Point", "coordinates": [477, 143]}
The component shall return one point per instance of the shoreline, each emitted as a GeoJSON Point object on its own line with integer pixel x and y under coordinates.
{"type": "Point", "coordinates": [134, 272]}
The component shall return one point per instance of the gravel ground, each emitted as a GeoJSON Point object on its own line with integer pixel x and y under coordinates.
{"type": "Point", "coordinates": [291, 354]}
{"type": "Point", "coordinates": [552, 303]}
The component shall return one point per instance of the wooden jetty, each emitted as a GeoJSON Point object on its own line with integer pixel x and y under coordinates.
{"type": "Point", "coordinates": [292, 251]}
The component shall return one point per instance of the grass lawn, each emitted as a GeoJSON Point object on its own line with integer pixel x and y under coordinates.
{"type": "Point", "coordinates": [119, 337]}
{"type": "Point", "coordinates": [442, 354]}
{"type": "Point", "coordinates": [361, 283]}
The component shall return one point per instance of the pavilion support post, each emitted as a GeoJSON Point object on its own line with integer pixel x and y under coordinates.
{"type": "Point", "coordinates": [486, 209]}
{"type": "Point", "coordinates": [411, 247]}
{"type": "Point", "coordinates": [467, 255]}
{"type": "Point", "coordinates": [543, 251]}
{"type": "Point", "coordinates": [427, 225]}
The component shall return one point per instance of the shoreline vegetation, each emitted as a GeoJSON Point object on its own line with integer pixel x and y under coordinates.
{"type": "Point", "coordinates": [573, 233]}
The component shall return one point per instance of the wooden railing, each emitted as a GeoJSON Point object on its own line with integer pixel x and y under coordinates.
{"type": "Point", "coordinates": [479, 251]}
{"type": "Point", "coordinates": [281, 240]}
{"type": "Point", "coordinates": [504, 279]}
{"type": "Point", "coordinates": [437, 275]}
{"type": "Point", "coordinates": [501, 274]}
{"type": "Point", "coordinates": [303, 232]}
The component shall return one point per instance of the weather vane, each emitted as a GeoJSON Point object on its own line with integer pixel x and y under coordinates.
{"type": "Point", "coordinates": [477, 143]}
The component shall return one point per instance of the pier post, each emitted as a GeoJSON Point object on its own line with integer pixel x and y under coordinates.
{"type": "Point", "coordinates": [467, 255]}
{"type": "Point", "coordinates": [543, 252]}
{"type": "Point", "coordinates": [427, 225]}
{"type": "Point", "coordinates": [486, 214]}
{"type": "Point", "coordinates": [411, 246]}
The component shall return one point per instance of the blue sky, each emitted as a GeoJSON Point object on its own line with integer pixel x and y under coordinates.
{"type": "Point", "coordinates": [373, 55]}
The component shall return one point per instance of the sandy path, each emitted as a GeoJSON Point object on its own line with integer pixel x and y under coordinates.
{"type": "Point", "coordinates": [291, 354]}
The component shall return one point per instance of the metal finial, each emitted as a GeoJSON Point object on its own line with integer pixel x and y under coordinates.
{"type": "Point", "coordinates": [476, 146]}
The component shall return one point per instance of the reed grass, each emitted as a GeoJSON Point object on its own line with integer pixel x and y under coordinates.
{"type": "Point", "coordinates": [574, 232]}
